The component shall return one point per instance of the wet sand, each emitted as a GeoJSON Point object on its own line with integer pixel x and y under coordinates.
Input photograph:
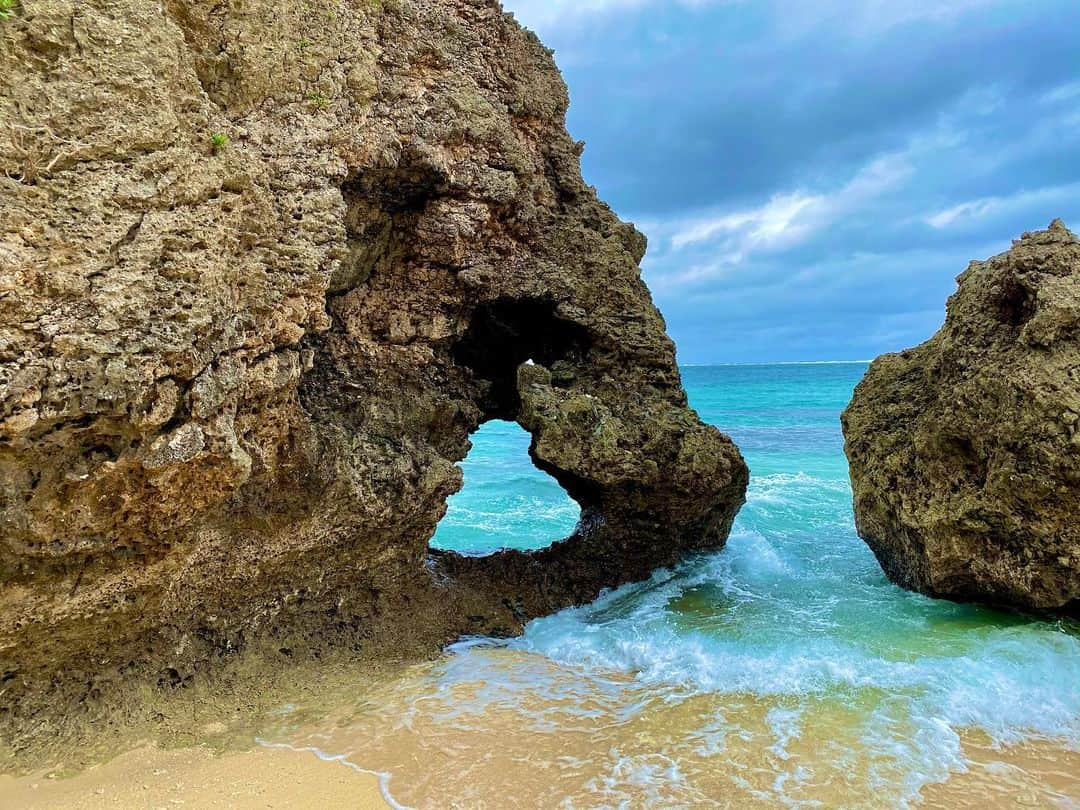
{"type": "Point", "coordinates": [1027, 775]}
{"type": "Point", "coordinates": [196, 778]}
{"type": "Point", "coordinates": [522, 726]}
{"type": "Point", "coordinates": [1030, 774]}
{"type": "Point", "coordinates": [1033, 774]}
{"type": "Point", "coordinates": [468, 732]}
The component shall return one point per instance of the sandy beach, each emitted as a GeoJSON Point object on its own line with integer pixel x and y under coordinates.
{"type": "Point", "coordinates": [151, 778]}
{"type": "Point", "coordinates": [1027, 775]}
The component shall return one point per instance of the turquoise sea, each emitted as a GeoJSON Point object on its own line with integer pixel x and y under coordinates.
{"type": "Point", "coordinates": [784, 670]}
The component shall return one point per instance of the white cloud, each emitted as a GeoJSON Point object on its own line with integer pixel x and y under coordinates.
{"type": "Point", "coordinates": [972, 210]}
{"type": "Point", "coordinates": [783, 222]}
{"type": "Point", "coordinates": [1062, 94]}
{"type": "Point", "coordinates": [792, 16]}
{"type": "Point", "coordinates": [540, 14]}
{"type": "Point", "coordinates": [772, 223]}
{"type": "Point", "coordinates": [883, 14]}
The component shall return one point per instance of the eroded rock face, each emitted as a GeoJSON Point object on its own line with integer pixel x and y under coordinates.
{"type": "Point", "coordinates": [237, 376]}
{"type": "Point", "coordinates": [965, 451]}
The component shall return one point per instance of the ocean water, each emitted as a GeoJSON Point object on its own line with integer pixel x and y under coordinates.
{"type": "Point", "coordinates": [507, 502]}
{"type": "Point", "coordinates": [784, 670]}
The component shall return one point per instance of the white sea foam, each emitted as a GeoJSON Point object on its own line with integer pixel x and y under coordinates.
{"type": "Point", "coordinates": [1012, 681]}
{"type": "Point", "coordinates": [343, 759]}
{"type": "Point", "coordinates": [794, 618]}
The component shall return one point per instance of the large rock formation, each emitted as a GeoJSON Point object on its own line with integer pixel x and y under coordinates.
{"type": "Point", "coordinates": [264, 267]}
{"type": "Point", "coordinates": [965, 451]}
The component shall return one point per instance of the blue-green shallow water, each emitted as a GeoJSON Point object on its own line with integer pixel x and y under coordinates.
{"type": "Point", "coordinates": [507, 502]}
{"type": "Point", "coordinates": [861, 685]}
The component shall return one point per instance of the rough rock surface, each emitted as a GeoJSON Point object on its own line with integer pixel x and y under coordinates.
{"type": "Point", "coordinates": [965, 451]}
{"type": "Point", "coordinates": [236, 373]}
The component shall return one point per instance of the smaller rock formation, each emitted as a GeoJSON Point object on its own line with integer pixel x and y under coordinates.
{"type": "Point", "coordinates": [965, 451]}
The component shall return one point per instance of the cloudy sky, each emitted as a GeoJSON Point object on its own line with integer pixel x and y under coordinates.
{"type": "Point", "coordinates": [813, 174]}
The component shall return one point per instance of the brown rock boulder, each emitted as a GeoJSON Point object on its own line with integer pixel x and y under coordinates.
{"type": "Point", "coordinates": [965, 451]}
{"type": "Point", "coordinates": [264, 268]}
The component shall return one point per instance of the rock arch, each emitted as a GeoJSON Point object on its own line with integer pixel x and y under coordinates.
{"type": "Point", "coordinates": [236, 380]}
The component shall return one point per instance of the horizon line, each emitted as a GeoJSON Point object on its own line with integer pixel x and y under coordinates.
{"type": "Point", "coordinates": [782, 363]}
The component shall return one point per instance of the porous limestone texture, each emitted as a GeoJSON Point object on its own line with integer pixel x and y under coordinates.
{"type": "Point", "coordinates": [965, 451]}
{"type": "Point", "coordinates": [264, 267]}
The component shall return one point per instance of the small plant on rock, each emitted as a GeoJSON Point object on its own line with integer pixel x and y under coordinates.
{"type": "Point", "coordinates": [318, 101]}
{"type": "Point", "coordinates": [218, 141]}
{"type": "Point", "coordinates": [6, 7]}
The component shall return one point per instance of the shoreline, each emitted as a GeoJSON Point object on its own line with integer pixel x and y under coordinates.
{"type": "Point", "coordinates": [278, 775]}
{"type": "Point", "coordinates": [286, 748]}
